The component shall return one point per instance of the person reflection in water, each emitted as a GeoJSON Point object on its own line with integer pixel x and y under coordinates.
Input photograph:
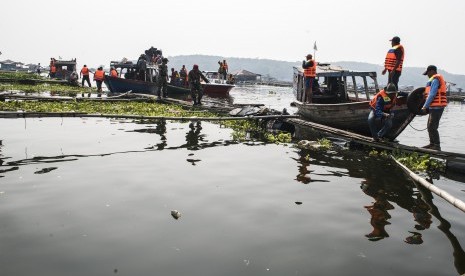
{"type": "Point", "coordinates": [160, 129]}
{"type": "Point", "coordinates": [378, 212]}
{"type": "Point", "coordinates": [193, 136]}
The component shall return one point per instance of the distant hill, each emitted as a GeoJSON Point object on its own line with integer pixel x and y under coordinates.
{"type": "Point", "coordinates": [282, 70]}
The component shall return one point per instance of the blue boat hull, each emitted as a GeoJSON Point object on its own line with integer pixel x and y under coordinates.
{"type": "Point", "coordinates": [120, 85]}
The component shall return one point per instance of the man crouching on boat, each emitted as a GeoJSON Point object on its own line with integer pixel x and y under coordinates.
{"type": "Point", "coordinates": [380, 112]}
{"type": "Point", "coordinates": [194, 84]}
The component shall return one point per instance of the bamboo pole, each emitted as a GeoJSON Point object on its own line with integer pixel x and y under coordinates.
{"type": "Point", "coordinates": [445, 195]}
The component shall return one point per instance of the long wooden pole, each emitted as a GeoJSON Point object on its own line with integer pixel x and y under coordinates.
{"type": "Point", "coordinates": [445, 195]}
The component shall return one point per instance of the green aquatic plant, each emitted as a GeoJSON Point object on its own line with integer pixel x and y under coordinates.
{"type": "Point", "coordinates": [324, 143]}
{"type": "Point", "coordinates": [422, 163]}
{"type": "Point", "coordinates": [376, 153]}
{"type": "Point", "coordinates": [54, 89]}
{"type": "Point", "coordinates": [281, 137]}
{"type": "Point", "coordinates": [20, 76]}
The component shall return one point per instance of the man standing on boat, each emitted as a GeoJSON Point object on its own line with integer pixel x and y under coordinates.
{"type": "Point", "coordinates": [84, 74]}
{"type": "Point", "coordinates": [380, 113]}
{"type": "Point", "coordinates": [393, 61]}
{"type": "Point", "coordinates": [183, 75]}
{"type": "Point", "coordinates": [309, 67]}
{"type": "Point", "coordinates": [194, 77]}
{"type": "Point", "coordinates": [436, 101]}
{"type": "Point", "coordinates": [163, 78]}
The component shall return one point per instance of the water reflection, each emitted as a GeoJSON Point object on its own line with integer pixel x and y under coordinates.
{"type": "Point", "coordinates": [444, 226]}
{"type": "Point", "coordinates": [193, 136]}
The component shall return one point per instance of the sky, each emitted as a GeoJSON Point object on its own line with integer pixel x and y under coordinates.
{"type": "Point", "coordinates": [96, 32]}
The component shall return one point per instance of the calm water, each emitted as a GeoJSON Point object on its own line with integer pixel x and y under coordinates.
{"type": "Point", "coordinates": [93, 197]}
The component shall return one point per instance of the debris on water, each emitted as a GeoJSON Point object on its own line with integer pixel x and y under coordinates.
{"type": "Point", "coordinates": [298, 202]}
{"type": "Point", "coordinates": [415, 238]}
{"type": "Point", "coordinates": [175, 214]}
{"type": "Point", "coordinates": [247, 262]}
{"type": "Point", "coordinates": [190, 154]}
{"type": "Point", "coordinates": [193, 161]}
{"type": "Point", "coordinates": [305, 144]}
{"type": "Point", "coordinates": [46, 170]}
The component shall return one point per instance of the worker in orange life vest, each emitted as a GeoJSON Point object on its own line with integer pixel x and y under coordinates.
{"type": "Point", "coordinates": [436, 101]}
{"type": "Point", "coordinates": [309, 67]}
{"type": "Point", "coordinates": [84, 74]}
{"type": "Point", "coordinates": [99, 76]}
{"type": "Point", "coordinates": [380, 112]}
{"type": "Point", "coordinates": [394, 61]}
{"type": "Point", "coordinates": [53, 71]}
{"type": "Point", "coordinates": [113, 72]}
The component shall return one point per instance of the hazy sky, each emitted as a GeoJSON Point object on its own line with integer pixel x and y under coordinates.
{"type": "Point", "coordinates": [96, 32]}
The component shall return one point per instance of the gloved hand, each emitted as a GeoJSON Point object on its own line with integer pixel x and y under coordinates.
{"type": "Point", "coordinates": [424, 111]}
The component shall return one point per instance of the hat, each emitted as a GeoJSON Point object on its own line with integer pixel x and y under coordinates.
{"type": "Point", "coordinates": [390, 88]}
{"type": "Point", "coordinates": [195, 66]}
{"type": "Point", "coordinates": [431, 67]}
{"type": "Point", "coordinates": [309, 56]}
{"type": "Point", "coordinates": [395, 39]}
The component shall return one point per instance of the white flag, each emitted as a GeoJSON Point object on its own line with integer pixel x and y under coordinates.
{"type": "Point", "coordinates": [314, 46]}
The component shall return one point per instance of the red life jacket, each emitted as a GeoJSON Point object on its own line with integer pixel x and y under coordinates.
{"type": "Point", "coordinates": [388, 103]}
{"type": "Point", "coordinates": [391, 59]}
{"type": "Point", "coordinates": [85, 71]}
{"type": "Point", "coordinates": [113, 73]}
{"type": "Point", "coordinates": [53, 69]}
{"type": "Point", "coordinates": [99, 75]}
{"type": "Point", "coordinates": [310, 72]}
{"type": "Point", "coordinates": [440, 100]}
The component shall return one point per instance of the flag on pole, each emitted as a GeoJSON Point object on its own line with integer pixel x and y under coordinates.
{"type": "Point", "coordinates": [314, 46]}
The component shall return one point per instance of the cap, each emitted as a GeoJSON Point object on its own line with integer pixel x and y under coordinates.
{"type": "Point", "coordinates": [391, 88]}
{"type": "Point", "coordinates": [309, 56]}
{"type": "Point", "coordinates": [431, 67]}
{"type": "Point", "coordinates": [395, 39]}
{"type": "Point", "coordinates": [195, 66]}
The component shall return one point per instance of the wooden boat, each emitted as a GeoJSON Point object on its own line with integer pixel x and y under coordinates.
{"type": "Point", "coordinates": [216, 87]}
{"type": "Point", "coordinates": [122, 85]}
{"type": "Point", "coordinates": [337, 105]}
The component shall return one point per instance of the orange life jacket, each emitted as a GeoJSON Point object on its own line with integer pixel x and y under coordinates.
{"type": "Point", "coordinates": [85, 71]}
{"type": "Point", "coordinates": [53, 69]}
{"type": "Point", "coordinates": [225, 66]}
{"type": "Point", "coordinates": [440, 100]}
{"type": "Point", "coordinates": [113, 73]}
{"type": "Point", "coordinates": [99, 75]}
{"type": "Point", "coordinates": [388, 103]}
{"type": "Point", "coordinates": [391, 59]}
{"type": "Point", "coordinates": [310, 72]}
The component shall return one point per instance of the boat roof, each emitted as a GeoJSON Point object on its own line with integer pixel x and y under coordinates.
{"type": "Point", "coordinates": [130, 65]}
{"type": "Point", "coordinates": [328, 70]}
{"type": "Point", "coordinates": [65, 62]}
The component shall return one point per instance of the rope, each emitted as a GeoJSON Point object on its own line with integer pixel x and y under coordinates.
{"type": "Point", "coordinates": [417, 129]}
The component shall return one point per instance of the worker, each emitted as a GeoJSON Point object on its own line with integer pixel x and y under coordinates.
{"type": "Point", "coordinates": [394, 60]}
{"type": "Point", "coordinates": [194, 77]}
{"type": "Point", "coordinates": [53, 71]}
{"type": "Point", "coordinates": [163, 78]}
{"type": "Point", "coordinates": [309, 66]}
{"type": "Point", "coordinates": [380, 112]}
{"type": "Point", "coordinates": [113, 72]}
{"type": "Point", "coordinates": [99, 76]}
{"type": "Point", "coordinates": [225, 69]}
{"type": "Point", "coordinates": [220, 70]}
{"type": "Point", "coordinates": [84, 74]}
{"type": "Point", "coordinates": [435, 102]}
{"type": "Point", "coordinates": [183, 75]}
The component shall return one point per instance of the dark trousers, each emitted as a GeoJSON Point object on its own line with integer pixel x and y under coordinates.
{"type": "Point", "coordinates": [433, 125]}
{"type": "Point", "coordinates": [196, 93]}
{"type": "Point", "coordinates": [99, 85]}
{"type": "Point", "coordinates": [162, 87]}
{"type": "Point", "coordinates": [86, 78]}
{"type": "Point", "coordinates": [394, 78]}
